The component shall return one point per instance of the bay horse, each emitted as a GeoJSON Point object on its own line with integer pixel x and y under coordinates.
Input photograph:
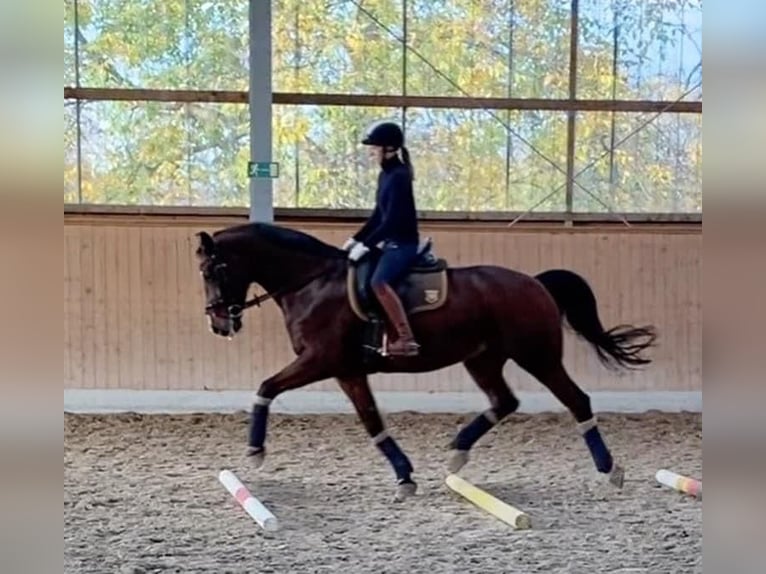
{"type": "Point", "coordinates": [492, 314]}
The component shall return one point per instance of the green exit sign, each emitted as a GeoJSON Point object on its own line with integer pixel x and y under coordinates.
{"type": "Point", "coordinates": [261, 169]}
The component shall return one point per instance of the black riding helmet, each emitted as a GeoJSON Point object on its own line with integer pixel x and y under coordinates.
{"type": "Point", "coordinates": [385, 134]}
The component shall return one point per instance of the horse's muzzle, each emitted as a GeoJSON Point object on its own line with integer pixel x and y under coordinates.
{"type": "Point", "coordinates": [224, 325]}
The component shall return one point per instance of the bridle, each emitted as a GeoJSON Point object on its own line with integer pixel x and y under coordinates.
{"type": "Point", "coordinates": [236, 310]}
{"type": "Point", "coordinates": [218, 274]}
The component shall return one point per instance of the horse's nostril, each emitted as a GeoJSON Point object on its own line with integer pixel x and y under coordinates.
{"type": "Point", "coordinates": [221, 332]}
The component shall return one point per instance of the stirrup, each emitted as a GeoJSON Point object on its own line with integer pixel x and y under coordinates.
{"type": "Point", "coordinates": [408, 349]}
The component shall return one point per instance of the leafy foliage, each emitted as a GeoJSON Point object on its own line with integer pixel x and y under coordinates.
{"type": "Point", "coordinates": [196, 154]}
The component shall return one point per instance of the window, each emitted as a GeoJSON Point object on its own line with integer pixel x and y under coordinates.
{"type": "Point", "coordinates": [322, 161]}
{"type": "Point", "coordinates": [164, 153]}
{"type": "Point", "coordinates": [631, 164]}
{"type": "Point", "coordinates": [482, 88]}
{"type": "Point", "coordinates": [320, 46]}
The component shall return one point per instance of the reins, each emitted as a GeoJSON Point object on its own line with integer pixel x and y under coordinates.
{"type": "Point", "coordinates": [236, 310]}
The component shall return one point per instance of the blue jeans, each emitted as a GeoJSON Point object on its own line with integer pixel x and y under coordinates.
{"type": "Point", "coordinates": [394, 264]}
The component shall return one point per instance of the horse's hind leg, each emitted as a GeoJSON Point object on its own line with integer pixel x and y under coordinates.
{"type": "Point", "coordinates": [554, 376]}
{"type": "Point", "coordinates": [357, 389]}
{"type": "Point", "coordinates": [487, 371]}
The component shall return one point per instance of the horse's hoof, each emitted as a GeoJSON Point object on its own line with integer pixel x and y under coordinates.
{"type": "Point", "coordinates": [617, 476]}
{"type": "Point", "coordinates": [458, 460]}
{"type": "Point", "coordinates": [257, 456]}
{"type": "Point", "coordinates": [405, 490]}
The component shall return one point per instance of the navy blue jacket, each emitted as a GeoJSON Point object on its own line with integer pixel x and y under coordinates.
{"type": "Point", "coordinates": [394, 217]}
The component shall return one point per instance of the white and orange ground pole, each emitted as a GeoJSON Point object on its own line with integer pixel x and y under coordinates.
{"type": "Point", "coordinates": [679, 482]}
{"type": "Point", "coordinates": [251, 504]}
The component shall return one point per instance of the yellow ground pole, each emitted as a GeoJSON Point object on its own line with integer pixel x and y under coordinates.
{"type": "Point", "coordinates": [497, 508]}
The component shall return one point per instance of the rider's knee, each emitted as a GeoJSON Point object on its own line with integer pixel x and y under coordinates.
{"type": "Point", "coordinates": [378, 283]}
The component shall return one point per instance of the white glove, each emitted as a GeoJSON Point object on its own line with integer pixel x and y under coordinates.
{"type": "Point", "coordinates": [350, 242]}
{"type": "Point", "coordinates": [358, 251]}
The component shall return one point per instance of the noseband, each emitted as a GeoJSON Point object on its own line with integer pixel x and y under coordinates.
{"type": "Point", "coordinates": [235, 310]}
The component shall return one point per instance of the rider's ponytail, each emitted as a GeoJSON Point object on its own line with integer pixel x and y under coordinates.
{"type": "Point", "coordinates": [407, 162]}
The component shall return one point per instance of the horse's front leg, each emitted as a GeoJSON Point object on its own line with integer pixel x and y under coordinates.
{"type": "Point", "coordinates": [357, 389]}
{"type": "Point", "coordinates": [303, 371]}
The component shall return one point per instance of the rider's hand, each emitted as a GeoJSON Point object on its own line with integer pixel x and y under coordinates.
{"type": "Point", "coordinates": [349, 244]}
{"type": "Point", "coordinates": [358, 251]}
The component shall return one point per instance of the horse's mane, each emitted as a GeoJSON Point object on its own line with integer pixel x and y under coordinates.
{"type": "Point", "coordinates": [286, 238]}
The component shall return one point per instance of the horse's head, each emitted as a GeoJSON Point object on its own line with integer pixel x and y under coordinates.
{"type": "Point", "coordinates": [225, 286]}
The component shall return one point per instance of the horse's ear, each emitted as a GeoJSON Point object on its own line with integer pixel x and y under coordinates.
{"type": "Point", "coordinates": [206, 244]}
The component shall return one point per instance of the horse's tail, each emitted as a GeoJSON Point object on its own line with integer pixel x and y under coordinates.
{"type": "Point", "coordinates": [620, 346]}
